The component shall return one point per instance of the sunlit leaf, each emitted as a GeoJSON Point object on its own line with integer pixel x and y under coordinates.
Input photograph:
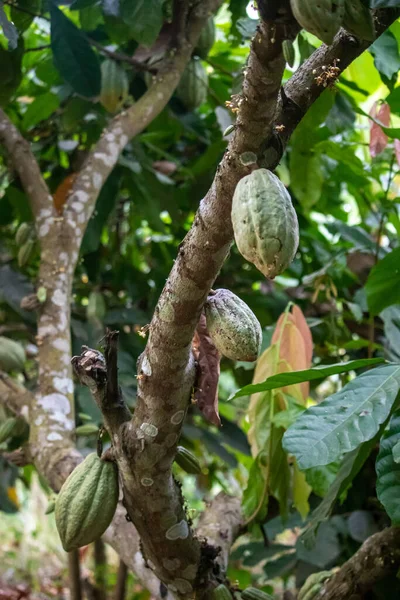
{"type": "Point", "coordinates": [318, 372]}
{"type": "Point", "coordinates": [327, 431]}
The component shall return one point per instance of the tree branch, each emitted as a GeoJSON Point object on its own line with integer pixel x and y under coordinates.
{"type": "Point", "coordinates": [14, 396]}
{"type": "Point", "coordinates": [378, 557]}
{"type": "Point", "coordinates": [304, 87]}
{"type": "Point", "coordinates": [25, 164]}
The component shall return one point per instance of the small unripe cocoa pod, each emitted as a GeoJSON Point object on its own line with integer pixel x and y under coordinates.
{"type": "Point", "coordinates": [221, 593]}
{"type": "Point", "coordinates": [87, 429]}
{"type": "Point", "coordinates": [7, 428]}
{"type": "Point", "coordinates": [232, 326]}
{"type": "Point", "coordinates": [252, 593]}
{"type": "Point", "coordinates": [86, 503]}
{"type": "Point", "coordinates": [25, 252]}
{"type": "Point", "coordinates": [23, 233]}
{"type": "Point", "coordinates": [187, 461]}
{"type": "Point", "coordinates": [12, 355]}
{"type": "Point", "coordinates": [288, 52]}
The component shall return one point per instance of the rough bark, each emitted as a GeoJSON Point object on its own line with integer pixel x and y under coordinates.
{"type": "Point", "coordinates": [378, 557]}
{"type": "Point", "coordinates": [145, 446]}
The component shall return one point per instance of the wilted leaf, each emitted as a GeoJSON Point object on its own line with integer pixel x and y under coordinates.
{"type": "Point", "coordinates": [208, 358]}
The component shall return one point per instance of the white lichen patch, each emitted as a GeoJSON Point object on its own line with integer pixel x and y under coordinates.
{"type": "Point", "coordinates": [59, 298]}
{"type": "Point", "coordinates": [54, 437]}
{"type": "Point", "coordinates": [77, 206]}
{"type": "Point", "coordinates": [81, 197]}
{"type": "Point", "coordinates": [149, 429]}
{"type": "Point", "coordinates": [46, 330]}
{"type": "Point", "coordinates": [171, 564]}
{"type": "Point", "coordinates": [146, 366]}
{"type": "Point", "coordinates": [190, 572]}
{"type": "Point", "coordinates": [39, 420]}
{"type": "Point", "coordinates": [61, 344]}
{"type": "Point", "coordinates": [123, 140]}
{"type": "Point", "coordinates": [97, 179]}
{"type": "Point", "coordinates": [179, 531]}
{"type": "Point", "coordinates": [43, 230]}
{"type": "Point", "coordinates": [177, 417]}
{"type": "Point", "coordinates": [167, 313]}
{"type": "Point", "coordinates": [57, 407]}
{"type": "Point", "coordinates": [63, 384]}
{"type": "Point", "coordinates": [183, 586]}
{"type": "Point", "coordinates": [146, 481]}
{"type": "Point", "coordinates": [110, 137]}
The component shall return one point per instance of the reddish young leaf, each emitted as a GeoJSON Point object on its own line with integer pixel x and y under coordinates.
{"type": "Point", "coordinates": [208, 358]}
{"type": "Point", "coordinates": [378, 139]}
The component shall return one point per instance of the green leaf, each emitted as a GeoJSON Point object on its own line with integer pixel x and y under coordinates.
{"type": "Point", "coordinates": [306, 176]}
{"type": "Point", "coordinates": [145, 17]}
{"type": "Point", "coordinates": [255, 497]}
{"type": "Point", "coordinates": [104, 205]}
{"type": "Point", "coordinates": [351, 465]}
{"type": "Point", "coordinates": [79, 4]}
{"type": "Point", "coordinates": [9, 29]}
{"type": "Point", "coordinates": [318, 372]}
{"type": "Point", "coordinates": [386, 55]}
{"type": "Point", "coordinates": [324, 433]}
{"type": "Point", "coordinates": [321, 478]}
{"type": "Point", "coordinates": [388, 470]}
{"type": "Point", "coordinates": [73, 56]}
{"type": "Point", "coordinates": [391, 323]}
{"type": "Point", "coordinates": [21, 19]}
{"type": "Point", "coordinates": [326, 549]}
{"type": "Point", "coordinates": [396, 452]}
{"type": "Point", "coordinates": [383, 283]}
{"type": "Point", "coordinates": [40, 109]}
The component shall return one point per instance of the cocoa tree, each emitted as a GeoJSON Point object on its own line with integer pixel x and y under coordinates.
{"type": "Point", "coordinates": [152, 530]}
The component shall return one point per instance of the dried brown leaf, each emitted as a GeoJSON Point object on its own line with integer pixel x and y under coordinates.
{"type": "Point", "coordinates": [208, 359]}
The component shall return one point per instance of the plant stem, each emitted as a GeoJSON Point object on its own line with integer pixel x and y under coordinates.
{"type": "Point", "coordinates": [74, 571]}
{"type": "Point", "coordinates": [100, 565]}
{"type": "Point", "coordinates": [120, 587]}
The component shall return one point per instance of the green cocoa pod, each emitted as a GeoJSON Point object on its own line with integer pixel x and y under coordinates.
{"type": "Point", "coordinates": [187, 461]}
{"type": "Point", "coordinates": [221, 593]}
{"type": "Point", "coordinates": [87, 429]}
{"type": "Point", "coordinates": [358, 20]}
{"type": "Point", "coordinates": [193, 86]}
{"type": "Point", "coordinates": [86, 503]}
{"type": "Point", "coordinates": [232, 326]}
{"type": "Point", "coordinates": [7, 428]}
{"type": "Point", "coordinates": [24, 232]}
{"type": "Point", "coordinates": [252, 593]}
{"type": "Point", "coordinates": [206, 39]}
{"type": "Point", "coordinates": [12, 355]}
{"type": "Point", "coordinates": [114, 86]}
{"type": "Point", "coordinates": [96, 308]}
{"type": "Point", "coordinates": [323, 18]}
{"type": "Point", "coordinates": [264, 222]}
{"type": "Point", "coordinates": [288, 52]}
{"type": "Point", "coordinates": [25, 252]}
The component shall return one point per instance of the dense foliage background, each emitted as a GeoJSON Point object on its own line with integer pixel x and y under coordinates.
{"type": "Point", "coordinates": [342, 171]}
